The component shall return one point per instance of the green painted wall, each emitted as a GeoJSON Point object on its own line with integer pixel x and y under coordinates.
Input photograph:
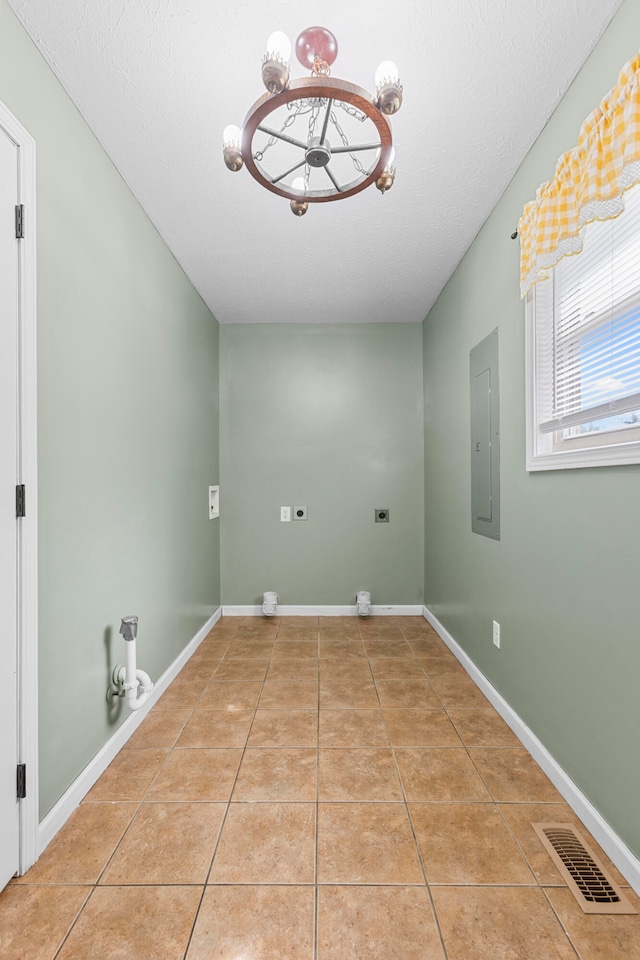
{"type": "Point", "coordinates": [562, 581]}
{"type": "Point", "coordinates": [328, 417]}
{"type": "Point", "coordinates": [128, 426]}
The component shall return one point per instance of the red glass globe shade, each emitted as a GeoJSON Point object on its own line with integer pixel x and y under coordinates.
{"type": "Point", "coordinates": [316, 42]}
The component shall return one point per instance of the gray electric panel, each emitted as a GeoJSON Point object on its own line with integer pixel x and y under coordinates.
{"type": "Point", "coordinates": [485, 438]}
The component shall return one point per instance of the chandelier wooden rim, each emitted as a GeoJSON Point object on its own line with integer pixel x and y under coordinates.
{"type": "Point", "coordinates": [309, 88]}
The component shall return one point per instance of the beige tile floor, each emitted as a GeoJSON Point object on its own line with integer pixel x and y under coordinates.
{"type": "Point", "coordinates": [312, 789]}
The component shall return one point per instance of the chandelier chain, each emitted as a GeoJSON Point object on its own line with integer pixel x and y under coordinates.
{"type": "Point", "coordinates": [343, 137]}
{"type": "Point", "coordinates": [259, 154]}
{"type": "Point", "coordinates": [300, 106]}
{"type": "Point", "coordinates": [352, 111]}
{"type": "Point", "coordinates": [313, 119]}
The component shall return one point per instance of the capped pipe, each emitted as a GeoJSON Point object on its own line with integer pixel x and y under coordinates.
{"type": "Point", "coordinates": [270, 603]}
{"type": "Point", "coordinates": [363, 603]}
{"type": "Point", "coordinates": [130, 683]}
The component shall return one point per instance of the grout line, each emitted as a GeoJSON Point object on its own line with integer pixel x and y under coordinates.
{"type": "Point", "coordinates": [222, 825]}
{"type": "Point", "coordinates": [493, 801]}
{"type": "Point", "coordinates": [560, 921]}
{"type": "Point", "coordinates": [169, 751]}
{"type": "Point", "coordinates": [496, 804]}
{"type": "Point", "coordinates": [309, 883]}
{"type": "Point", "coordinates": [413, 832]}
{"type": "Point", "coordinates": [56, 952]}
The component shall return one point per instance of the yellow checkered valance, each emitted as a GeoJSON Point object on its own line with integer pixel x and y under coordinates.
{"type": "Point", "coordinates": [589, 181]}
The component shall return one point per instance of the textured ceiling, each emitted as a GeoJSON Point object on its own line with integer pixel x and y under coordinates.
{"type": "Point", "coordinates": [158, 80]}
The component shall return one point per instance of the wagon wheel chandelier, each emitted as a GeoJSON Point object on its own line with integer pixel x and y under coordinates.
{"type": "Point", "coordinates": [318, 138]}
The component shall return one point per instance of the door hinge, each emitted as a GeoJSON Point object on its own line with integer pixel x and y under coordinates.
{"type": "Point", "coordinates": [21, 781]}
{"type": "Point", "coordinates": [20, 221]}
{"type": "Point", "coordinates": [21, 506]}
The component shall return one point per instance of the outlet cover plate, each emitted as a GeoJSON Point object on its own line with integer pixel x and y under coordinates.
{"type": "Point", "coordinates": [299, 513]}
{"type": "Point", "coordinates": [285, 514]}
{"type": "Point", "coordinates": [496, 634]}
{"type": "Point", "coordinates": [214, 502]}
{"type": "Point", "coordinates": [382, 515]}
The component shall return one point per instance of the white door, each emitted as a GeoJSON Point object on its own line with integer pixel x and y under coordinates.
{"type": "Point", "coordinates": [9, 279]}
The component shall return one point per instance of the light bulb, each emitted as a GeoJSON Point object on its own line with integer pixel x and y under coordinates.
{"type": "Point", "coordinates": [299, 206]}
{"type": "Point", "coordinates": [275, 65]}
{"type": "Point", "coordinates": [388, 88]}
{"type": "Point", "coordinates": [387, 72]}
{"type": "Point", "coordinates": [279, 45]}
{"type": "Point", "coordinates": [316, 43]}
{"type": "Point", "coordinates": [232, 147]}
{"type": "Point", "coordinates": [386, 179]}
{"type": "Point", "coordinates": [231, 136]}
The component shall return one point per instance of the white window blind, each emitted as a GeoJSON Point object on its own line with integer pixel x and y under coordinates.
{"type": "Point", "coordinates": [588, 327]}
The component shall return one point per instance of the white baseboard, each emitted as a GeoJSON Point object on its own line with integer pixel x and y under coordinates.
{"type": "Point", "coordinates": [60, 813]}
{"type": "Point", "coordinates": [393, 610]}
{"type": "Point", "coordinates": [615, 848]}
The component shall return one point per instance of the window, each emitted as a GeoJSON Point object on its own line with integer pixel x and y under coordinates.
{"type": "Point", "coordinates": [583, 351]}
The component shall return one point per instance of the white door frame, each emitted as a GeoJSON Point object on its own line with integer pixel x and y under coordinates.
{"type": "Point", "coordinates": [27, 599]}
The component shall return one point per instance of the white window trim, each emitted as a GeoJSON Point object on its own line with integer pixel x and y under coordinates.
{"type": "Point", "coordinates": [540, 453]}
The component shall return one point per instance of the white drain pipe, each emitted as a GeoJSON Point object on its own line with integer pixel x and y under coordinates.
{"type": "Point", "coordinates": [270, 603]}
{"type": "Point", "coordinates": [363, 603]}
{"type": "Point", "coordinates": [129, 682]}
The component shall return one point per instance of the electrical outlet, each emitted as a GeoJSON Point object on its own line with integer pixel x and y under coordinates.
{"type": "Point", "coordinates": [496, 634]}
{"type": "Point", "coordinates": [299, 513]}
{"type": "Point", "coordinates": [285, 514]}
{"type": "Point", "coordinates": [382, 515]}
{"type": "Point", "coordinates": [214, 502]}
